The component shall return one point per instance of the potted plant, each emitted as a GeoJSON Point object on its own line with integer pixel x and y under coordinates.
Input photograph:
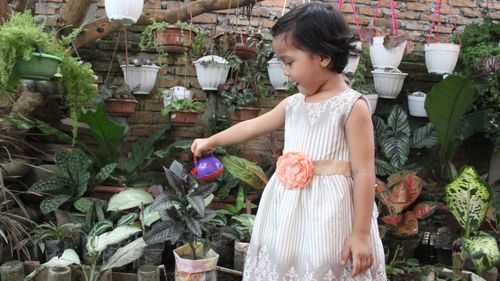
{"type": "Point", "coordinates": [352, 63]}
{"type": "Point", "coordinates": [388, 82]}
{"type": "Point", "coordinates": [211, 71]}
{"type": "Point", "coordinates": [416, 103]}
{"type": "Point", "coordinates": [53, 239]}
{"type": "Point", "coordinates": [183, 111]}
{"type": "Point", "coordinates": [21, 39]}
{"type": "Point", "coordinates": [387, 51]}
{"type": "Point", "coordinates": [176, 92]}
{"type": "Point", "coordinates": [120, 101]}
{"type": "Point", "coordinates": [186, 221]}
{"type": "Point", "coordinates": [168, 38]}
{"type": "Point", "coordinates": [140, 74]}
{"type": "Point", "coordinates": [240, 102]}
{"type": "Point", "coordinates": [468, 198]}
{"type": "Point", "coordinates": [124, 12]}
{"type": "Point", "coordinates": [242, 44]}
{"type": "Point", "coordinates": [244, 225]}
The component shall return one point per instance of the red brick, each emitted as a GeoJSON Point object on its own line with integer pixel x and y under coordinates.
{"type": "Point", "coordinates": [361, 20]}
{"type": "Point", "coordinates": [464, 3]}
{"type": "Point", "coordinates": [190, 132]}
{"type": "Point", "coordinates": [152, 5]}
{"type": "Point", "coordinates": [45, 9]}
{"type": "Point", "coordinates": [387, 4]}
{"type": "Point", "coordinates": [418, 7]}
{"type": "Point", "coordinates": [471, 13]}
{"type": "Point", "coordinates": [205, 18]}
{"type": "Point", "coordinates": [407, 15]}
{"type": "Point", "coordinates": [369, 11]}
{"type": "Point", "coordinates": [346, 9]}
{"type": "Point", "coordinates": [141, 117]}
{"type": "Point", "coordinates": [274, 3]}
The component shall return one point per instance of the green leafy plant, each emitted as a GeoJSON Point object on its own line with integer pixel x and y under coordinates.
{"type": "Point", "coordinates": [479, 61]}
{"type": "Point", "coordinates": [52, 231]}
{"type": "Point", "coordinates": [77, 178]}
{"type": "Point", "coordinates": [400, 268]}
{"type": "Point", "coordinates": [401, 190]}
{"type": "Point", "coordinates": [20, 37]}
{"type": "Point", "coordinates": [246, 171]}
{"type": "Point", "coordinates": [468, 197]}
{"type": "Point", "coordinates": [395, 138]}
{"type": "Point", "coordinates": [183, 105]}
{"type": "Point", "coordinates": [183, 212]}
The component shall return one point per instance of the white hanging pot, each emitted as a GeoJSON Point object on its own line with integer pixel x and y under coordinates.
{"type": "Point", "coordinates": [416, 104]}
{"type": "Point", "coordinates": [352, 63]}
{"type": "Point", "coordinates": [372, 98]}
{"type": "Point", "coordinates": [123, 11]}
{"type": "Point", "coordinates": [441, 58]}
{"type": "Point", "coordinates": [388, 84]}
{"type": "Point", "coordinates": [382, 57]}
{"type": "Point", "coordinates": [177, 92]}
{"type": "Point", "coordinates": [211, 71]}
{"type": "Point", "coordinates": [143, 76]}
{"type": "Point", "coordinates": [276, 74]}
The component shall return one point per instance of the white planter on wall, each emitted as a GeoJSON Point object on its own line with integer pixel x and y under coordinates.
{"type": "Point", "coordinates": [416, 104]}
{"type": "Point", "coordinates": [385, 58]}
{"type": "Point", "coordinates": [123, 11]}
{"type": "Point", "coordinates": [372, 98]}
{"type": "Point", "coordinates": [276, 74]}
{"type": "Point", "coordinates": [143, 76]}
{"type": "Point", "coordinates": [388, 84]}
{"type": "Point", "coordinates": [352, 63]}
{"type": "Point", "coordinates": [177, 92]}
{"type": "Point", "coordinates": [441, 58]}
{"type": "Point", "coordinates": [211, 71]}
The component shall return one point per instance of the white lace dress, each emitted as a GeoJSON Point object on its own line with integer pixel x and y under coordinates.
{"type": "Point", "coordinates": [299, 234]}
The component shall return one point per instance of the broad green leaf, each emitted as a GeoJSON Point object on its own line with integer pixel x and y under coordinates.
{"type": "Point", "coordinates": [160, 232]}
{"type": "Point", "coordinates": [383, 168]}
{"type": "Point", "coordinates": [51, 184]}
{"type": "Point", "coordinates": [142, 152]}
{"type": "Point", "coordinates": [174, 148]}
{"type": "Point", "coordinates": [117, 235]}
{"type": "Point", "coordinates": [197, 203]}
{"type": "Point", "coordinates": [68, 257]}
{"type": "Point", "coordinates": [468, 198]}
{"type": "Point", "coordinates": [425, 136]}
{"type": "Point", "coordinates": [104, 173]}
{"type": "Point", "coordinates": [84, 204]}
{"type": "Point", "coordinates": [395, 141]}
{"type": "Point", "coordinates": [129, 198]}
{"type": "Point", "coordinates": [76, 166]}
{"type": "Point", "coordinates": [446, 104]}
{"type": "Point", "coordinates": [52, 203]}
{"type": "Point", "coordinates": [2, 234]}
{"type": "Point", "coordinates": [107, 133]}
{"type": "Point", "coordinates": [126, 254]}
{"type": "Point", "coordinates": [127, 219]}
{"type": "Point", "coordinates": [424, 209]}
{"type": "Point", "coordinates": [150, 216]}
{"type": "Point", "coordinates": [194, 226]}
{"type": "Point", "coordinates": [245, 171]}
{"type": "Point", "coordinates": [483, 250]}
{"type": "Point", "coordinates": [379, 126]}
{"type": "Point", "coordinates": [409, 225]}
{"type": "Point", "coordinates": [100, 227]}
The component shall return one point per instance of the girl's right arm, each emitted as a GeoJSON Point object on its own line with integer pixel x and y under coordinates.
{"type": "Point", "coordinates": [243, 131]}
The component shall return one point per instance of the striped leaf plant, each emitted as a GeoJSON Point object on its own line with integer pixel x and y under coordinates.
{"type": "Point", "coordinates": [468, 198]}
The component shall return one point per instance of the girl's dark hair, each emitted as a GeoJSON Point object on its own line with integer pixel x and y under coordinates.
{"type": "Point", "coordinates": [320, 29]}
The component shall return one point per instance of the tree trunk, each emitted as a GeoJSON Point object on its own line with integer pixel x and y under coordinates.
{"type": "Point", "coordinates": [72, 15]}
{"type": "Point", "coordinates": [102, 27]}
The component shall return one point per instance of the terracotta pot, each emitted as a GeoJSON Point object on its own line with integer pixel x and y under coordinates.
{"type": "Point", "coordinates": [242, 44]}
{"type": "Point", "coordinates": [174, 39]}
{"type": "Point", "coordinates": [244, 113]}
{"type": "Point", "coordinates": [187, 118]}
{"type": "Point", "coordinates": [120, 107]}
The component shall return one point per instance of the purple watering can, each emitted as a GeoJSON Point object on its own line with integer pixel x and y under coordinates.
{"type": "Point", "coordinates": [207, 168]}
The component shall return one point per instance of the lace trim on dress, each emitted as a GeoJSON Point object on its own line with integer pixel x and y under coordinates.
{"type": "Point", "coordinates": [260, 268]}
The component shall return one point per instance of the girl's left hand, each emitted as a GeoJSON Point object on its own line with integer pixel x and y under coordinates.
{"type": "Point", "coordinates": [360, 247]}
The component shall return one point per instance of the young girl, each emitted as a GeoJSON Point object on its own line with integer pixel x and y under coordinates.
{"type": "Point", "coordinates": [315, 219]}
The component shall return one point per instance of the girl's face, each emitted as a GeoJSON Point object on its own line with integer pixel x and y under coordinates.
{"type": "Point", "coordinates": [309, 71]}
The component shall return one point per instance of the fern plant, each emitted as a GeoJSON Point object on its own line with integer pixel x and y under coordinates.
{"type": "Point", "coordinates": [395, 138]}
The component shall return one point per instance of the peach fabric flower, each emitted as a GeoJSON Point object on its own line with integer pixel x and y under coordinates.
{"type": "Point", "coordinates": [294, 170]}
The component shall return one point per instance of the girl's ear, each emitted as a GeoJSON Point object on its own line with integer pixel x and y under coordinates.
{"type": "Point", "coordinates": [325, 61]}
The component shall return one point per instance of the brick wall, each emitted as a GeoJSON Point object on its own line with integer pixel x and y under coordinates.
{"type": "Point", "coordinates": [413, 18]}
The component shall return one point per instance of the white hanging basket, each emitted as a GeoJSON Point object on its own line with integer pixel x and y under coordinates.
{"type": "Point", "coordinates": [143, 76]}
{"type": "Point", "coordinates": [211, 71]}
{"type": "Point", "coordinates": [123, 11]}
{"type": "Point", "coordinates": [352, 63]}
{"type": "Point", "coordinates": [416, 104]}
{"type": "Point", "coordinates": [385, 58]}
{"type": "Point", "coordinates": [441, 58]}
{"type": "Point", "coordinates": [388, 84]}
{"type": "Point", "coordinates": [177, 92]}
{"type": "Point", "coordinates": [276, 75]}
{"type": "Point", "coordinates": [372, 98]}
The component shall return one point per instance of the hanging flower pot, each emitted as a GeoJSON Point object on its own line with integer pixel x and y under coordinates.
{"type": "Point", "coordinates": [441, 58]}
{"type": "Point", "coordinates": [176, 92]}
{"type": "Point", "coordinates": [141, 77]}
{"type": "Point", "coordinates": [120, 107]}
{"type": "Point", "coordinates": [244, 113]}
{"type": "Point", "coordinates": [352, 63]}
{"type": "Point", "coordinates": [184, 117]}
{"type": "Point", "coordinates": [202, 268]}
{"type": "Point", "coordinates": [381, 57]}
{"type": "Point", "coordinates": [276, 74]}
{"type": "Point", "coordinates": [211, 71]}
{"type": "Point", "coordinates": [416, 104]}
{"type": "Point", "coordinates": [388, 84]}
{"type": "Point", "coordinates": [244, 45]}
{"type": "Point", "coordinates": [372, 98]}
{"type": "Point", "coordinates": [123, 11]}
{"type": "Point", "coordinates": [173, 39]}
{"type": "Point", "coordinates": [39, 67]}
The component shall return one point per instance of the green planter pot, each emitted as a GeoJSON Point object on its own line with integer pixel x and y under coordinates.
{"type": "Point", "coordinates": [40, 67]}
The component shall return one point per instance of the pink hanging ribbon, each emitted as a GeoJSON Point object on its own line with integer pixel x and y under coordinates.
{"type": "Point", "coordinates": [437, 13]}
{"type": "Point", "coordinates": [356, 20]}
{"type": "Point", "coordinates": [341, 2]}
{"type": "Point", "coordinates": [393, 16]}
{"type": "Point", "coordinates": [375, 13]}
